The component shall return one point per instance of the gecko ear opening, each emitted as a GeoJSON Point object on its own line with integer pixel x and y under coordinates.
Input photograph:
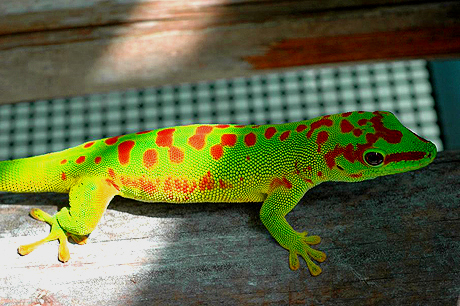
{"type": "Point", "coordinates": [374, 158]}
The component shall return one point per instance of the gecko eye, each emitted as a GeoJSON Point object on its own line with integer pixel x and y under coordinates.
{"type": "Point", "coordinates": [373, 158]}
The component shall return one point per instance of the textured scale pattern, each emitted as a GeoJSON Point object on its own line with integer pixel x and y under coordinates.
{"type": "Point", "coordinates": [276, 164]}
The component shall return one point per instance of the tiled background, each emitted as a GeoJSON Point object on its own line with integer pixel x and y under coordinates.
{"type": "Point", "coordinates": [401, 87]}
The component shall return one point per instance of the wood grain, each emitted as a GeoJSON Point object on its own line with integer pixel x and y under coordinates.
{"type": "Point", "coordinates": [59, 48]}
{"type": "Point", "coordinates": [393, 240]}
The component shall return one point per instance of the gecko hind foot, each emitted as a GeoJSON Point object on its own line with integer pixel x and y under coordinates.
{"type": "Point", "coordinates": [56, 233]}
{"type": "Point", "coordinates": [302, 248]}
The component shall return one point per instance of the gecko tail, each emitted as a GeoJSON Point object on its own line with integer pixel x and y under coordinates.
{"type": "Point", "coordinates": [33, 174]}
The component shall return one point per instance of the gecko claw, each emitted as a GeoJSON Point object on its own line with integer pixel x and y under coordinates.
{"type": "Point", "coordinates": [56, 233]}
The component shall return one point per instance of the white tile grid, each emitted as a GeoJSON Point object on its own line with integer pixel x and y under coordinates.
{"type": "Point", "coordinates": [400, 87]}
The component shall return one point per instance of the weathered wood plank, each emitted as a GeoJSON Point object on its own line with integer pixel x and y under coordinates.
{"type": "Point", "coordinates": [393, 240]}
{"type": "Point", "coordinates": [64, 49]}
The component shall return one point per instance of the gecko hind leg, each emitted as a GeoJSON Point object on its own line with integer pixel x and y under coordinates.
{"type": "Point", "coordinates": [56, 233]}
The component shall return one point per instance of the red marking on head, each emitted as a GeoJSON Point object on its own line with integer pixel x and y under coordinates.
{"type": "Point", "coordinates": [112, 140]}
{"type": "Point", "coordinates": [422, 139]}
{"type": "Point", "coordinates": [357, 132]}
{"type": "Point", "coordinates": [176, 155]}
{"type": "Point", "coordinates": [111, 173]}
{"type": "Point", "coordinates": [406, 156]}
{"type": "Point", "coordinates": [269, 132]}
{"type": "Point", "coordinates": [228, 140]}
{"type": "Point", "coordinates": [248, 157]}
{"type": "Point", "coordinates": [80, 160]}
{"type": "Point", "coordinates": [165, 138]}
{"type": "Point", "coordinates": [124, 151]}
{"type": "Point", "coordinates": [356, 175]}
{"type": "Point", "coordinates": [222, 126]}
{"type": "Point", "coordinates": [320, 173]}
{"type": "Point", "coordinates": [98, 159]}
{"type": "Point", "coordinates": [250, 139]}
{"type": "Point", "coordinates": [309, 168]}
{"type": "Point", "coordinates": [322, 122]}
{"type": "Point", "coordinates": [276, 182]}
{"type": "Point", "coordinates": [321, 138]}
{"type": "Point", "coordinates": [63, 176]}
{"type": "Point", "coordinates": [284, 135]}
{"type": "Point", "coordinates": [347, 114]}
{"type": "Point", "coordinates": [346, 126]}
{"type": "Point", "coordinates": [197, 141]}
{"type": "Point", "coordinates": [143, 132]}
{"type": "Point", "coordinates": [63, 161]}
{"type": "Point", "coordinates": [301, 128]}
{"type": "Point", "coordinates": [353, 154]}
{"type": "Point", "coordinates": [207, 182]}
{"type": "Point", "coordinates": [89, 144]}
{"type": "Point", "coordinates": [309, 181]}
{"type": "Point", "coordinates": [217, 151]}
{"type": "Point", "coordinates": [150, 158]}
{"type": "Point", "coordinates": [241, 179]}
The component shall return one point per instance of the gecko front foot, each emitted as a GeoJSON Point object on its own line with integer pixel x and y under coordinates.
{"type": "Point", "coordinates": [301, 246]}
{"type": "Point", "coordinates": [56, 233]}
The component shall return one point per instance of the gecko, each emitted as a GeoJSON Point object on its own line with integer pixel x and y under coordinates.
{"type": "Point", "coordinates": [275, 164]}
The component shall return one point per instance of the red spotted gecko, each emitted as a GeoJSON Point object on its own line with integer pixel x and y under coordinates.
{"type": "Point", "coordinates": [274, 164]}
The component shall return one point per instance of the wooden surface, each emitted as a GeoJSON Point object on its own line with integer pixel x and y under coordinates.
{"type": "Point", "coordinates": [394, 240]}
{"type": "Point", "coordinates": [63, 48]}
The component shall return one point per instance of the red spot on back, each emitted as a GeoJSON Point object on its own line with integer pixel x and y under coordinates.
{"type": "Point", "coordinates": [217, 151]}
{"type": "Point", "coordinates": [320, 173]}
{"type": "Point", "coordinates": [63, 176]}
{"type": "Point", "coordinates": [224, 185]}
{"type": "Point", "coordinates": [222, 126]}
{"type": "Point", "coordinates": [143, 132]}
{"type": "Point", "coordinates": [124, 151]}
{"type": "Point", "coordinates": [197, 141]}
{"type": "Point", "coordinates": [150, 158]}
{"type": "Point", "coordinates": [363, 122]}
{"type": "Point", "coordinates": [321, 138]}
{"type": "Point", "coordinates": [250, 139]}
{"type": "Point", "coordinates": [322, 122]}
{"type": "Point", "coordinates": [165, 138]}
{"type": "Point", "coordinates": [346, 126]}
{"type": "Point", "coordinates": [98, 159]}
{"type": "Point", "coordinates": [284, 135]}
{"type": "Point", "coordinates": [112, 140]}
{"type": "Point", "coordinates": [269, 132]}
{"type": "Point", "coordinates": [228, 140]}
{"type": "Point", "coordinates": [176, 155]}
{"type": "Point", "coordinates": [239, 126]}
{"type": "Point", "coordinates": [301, 128]}
{"type": "Point", "coordinates": [63, 161]}
{"type": "Point", "coordinates": [80, 160]}
{"type": "Point", "coordinates": [356, 175]}
{"type": "Point", "coordinates": [347, 114]}
{"type": "Point", "coordinates": [89, 144]}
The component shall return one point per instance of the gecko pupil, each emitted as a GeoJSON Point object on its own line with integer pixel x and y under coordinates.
{"type": "Point", "coordinates": [374, 158]}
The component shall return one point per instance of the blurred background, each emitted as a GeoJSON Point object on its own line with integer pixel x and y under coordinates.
{"type": "Point", "coordinates": [72, 72]}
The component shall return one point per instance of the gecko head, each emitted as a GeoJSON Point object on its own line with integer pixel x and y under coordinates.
{"type": "Point", "coordinates": [375, 144]}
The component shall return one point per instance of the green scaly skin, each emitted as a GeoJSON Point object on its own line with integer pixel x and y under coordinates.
{"type": "Point", "coordinates": [273, 164]}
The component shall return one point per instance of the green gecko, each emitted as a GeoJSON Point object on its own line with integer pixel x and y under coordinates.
{"type": "Point", "coordinates": [274, 164]}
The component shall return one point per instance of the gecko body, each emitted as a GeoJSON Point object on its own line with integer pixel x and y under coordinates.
{"type": "Point", "coordinates": [273, 164]}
